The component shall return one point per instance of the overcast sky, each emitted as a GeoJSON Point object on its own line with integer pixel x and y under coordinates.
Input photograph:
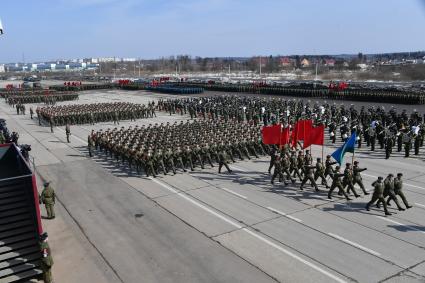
{"type": "Point", "coordinates": [52, 29]}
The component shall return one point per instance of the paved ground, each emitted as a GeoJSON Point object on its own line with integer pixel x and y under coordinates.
{"type": "Point", "coordinates": [206, 227]}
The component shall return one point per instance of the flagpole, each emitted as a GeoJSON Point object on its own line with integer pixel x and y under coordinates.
{"type": "Point", "coordinates": [280, 137]}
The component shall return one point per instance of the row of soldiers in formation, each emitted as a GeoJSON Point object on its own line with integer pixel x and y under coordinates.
{"type": "Point", "coordinates": [372, 124]}
{"type": "Point", "coordinates": [49, 99]}
{"type": "Point", "coordinates": [94, 113]}
{"type": "Point", "coordinates": [183, 145]}
{"type": "Point", "coordinates": [411, 96]}
{"type": "Point", "coordinates": [288, 166]}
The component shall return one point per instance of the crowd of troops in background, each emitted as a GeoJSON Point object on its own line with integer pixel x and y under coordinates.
{"type": "Point", "coordinates": [372, 125]}
{"type": "Point", "coordinates": [410, 95]}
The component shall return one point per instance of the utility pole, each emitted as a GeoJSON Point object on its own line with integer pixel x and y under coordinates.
{"type": "Point", "coordinates": [139, 67]}
{"type": "Point", "coordinates": [260, 66]}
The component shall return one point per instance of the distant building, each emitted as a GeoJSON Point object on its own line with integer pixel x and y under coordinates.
{"type": "Point", "coordinates": [286, 62]}
{"type": "Point", "coordinates": [2, 69]}
{"type": "Point", "coordinates": [128, 59]}
{"type": "Point", "coordinates": [107, 59]}
{"type": "Point", "coordinates": [330, 62]}
{"type": "Point", "coordinates": [305, 63]}
{"type": "Point", "coordinates": [362, 66]}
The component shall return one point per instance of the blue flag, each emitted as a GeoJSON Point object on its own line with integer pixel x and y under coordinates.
{"type": "Point", "coordinates": [348, 146]}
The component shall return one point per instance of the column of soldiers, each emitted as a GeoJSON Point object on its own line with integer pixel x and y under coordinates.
{"type": "Point", "coordinates": [94, 113]}
{"type": "Point", "coordinates": [167, 147]}
{"type": "Point", "coordinates": [288, 165]}
{"type": "Point", "coordinates": [374, 125]}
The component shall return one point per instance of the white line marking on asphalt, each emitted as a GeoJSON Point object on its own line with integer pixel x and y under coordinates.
{"type": "Point", "coordinates": [293, 218]}
{"type": "Point", "coordinates": [330, 275]}
{"type": "Point", "coordinates": [233, 193]}
{"type": "Point", "coordinates": [284, 214]}
{"type": "Point", "coordinates": [312, 265]}
{"type": "Point", "coordinates": [401, 224]}
{"type": "Point", "coordinates": [277, 211]}
{"type": "Point", "coordinates": [403, 183]}
{"type": "Point", "coordinates": [354, 244]}
{"type": "Point", "coordinates": [72, 136]}
{"type": "Point", "coordinates": [421, 205]}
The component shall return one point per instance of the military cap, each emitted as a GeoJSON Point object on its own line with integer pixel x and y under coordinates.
{"type": "Point", "coordinates": [46, 183]}
{"type": "Point", "coordinates": [43, 236]}
{"type": "Point", "coordinates": [356, 162]}
{"type": "Point", "coordinates": [399, 174]}
{"type": "Point", "coordinates": [391, 175]}
{"type": "Point", "coordinates": [380, 178]}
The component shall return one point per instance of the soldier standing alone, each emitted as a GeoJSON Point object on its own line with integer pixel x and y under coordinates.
{"type": "Point", "coordinates": [67, 132]}
{"type": "Point", "coordinates": [46, 260]}
{"type": "Point", "coordinates": [48, 198]}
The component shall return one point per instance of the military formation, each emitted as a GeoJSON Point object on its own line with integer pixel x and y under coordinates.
{"type": "Point", "coordinates": [391, 130]}
{"type": "Point", "coordinates": [94, 113]}
{"type": "Point", "coordinates": [186, 145]}
{"type": "Point", "coordinates": [318, 90]}
{"type": "Point", "coordinates": [49, 98]}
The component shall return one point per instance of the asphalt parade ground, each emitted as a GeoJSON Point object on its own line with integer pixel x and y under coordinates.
{"type": "Point", "coordinates": [202, 226]}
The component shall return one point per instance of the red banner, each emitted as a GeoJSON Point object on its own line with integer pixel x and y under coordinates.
{"type": "Point", "coordinates": [284, 136]}
{"type": "Point", "coordinates": [316, 136]}
{"type": "Point", "coordinates": [301, 129]}
{"type": "Point", "coordinates": [271, 134]}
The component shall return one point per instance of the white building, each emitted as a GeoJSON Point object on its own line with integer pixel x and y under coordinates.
{"type": "Point", "coordinates": [2, 69]}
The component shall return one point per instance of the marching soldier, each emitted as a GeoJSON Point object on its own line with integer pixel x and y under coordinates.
{"type": "Point", "coordinates": [309, 176]}
{"type": "Point", "coordinates": [329, 170]}
{"type": "Point", "coordinates": [320, 172]}
{"type": "Point", "coordinates": [347, 181]}
{"type": "Point", "coordinates": [336, 183]}
{"type": "Point", "coordinates": [378, 195]}
{"type": "Point", "coordinates": [398, 190]}
{"type": "Point", "coordinates": [222, 160]}
{"type": "Point", "coordinates": [390, 192]}
{"type": "Point", "coordinates": [357, 176]}
{"type": "Point", "coordinates": [277, 170]}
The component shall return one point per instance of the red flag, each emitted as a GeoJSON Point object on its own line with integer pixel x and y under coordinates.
{"type": "Point", "coordinates": [271, 134]}
{"type": "Point", "coordinates": [284, 136]}
{"type": "Point", "coordinates": [301, 130]}
{"type": "Point", "coordinates": [316, 136]}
